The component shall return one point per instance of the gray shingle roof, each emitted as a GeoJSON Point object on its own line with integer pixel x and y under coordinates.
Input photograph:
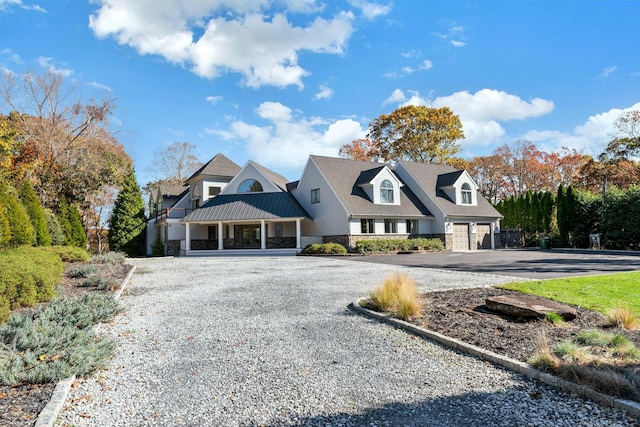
{"type": "Point", "coordinates": [432, 177]}
{"type": "Point", "coordinates": [220, 165]}
{"type": "Point", "coordinates": [167, 190]}
{"type": "Point", "coordinates": [276, 178]}
{"type": "Point", "coordinates": [248, 206]}
{"type": "Point", "coordinates": [343, 176]}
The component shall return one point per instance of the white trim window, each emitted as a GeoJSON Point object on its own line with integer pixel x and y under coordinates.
{"type": "Point", "coordinates": [412, 226]}
{"type": "Point", "coordinates": [367, 226]}
{"type": "Point", "coordinates": [315, 196]}
{"type": "Point", "coordinates": [391, 226]}
{"type": "Point", "coordinates": [465, 191]}
{"type": "Point", "coordinates": [386, 192]}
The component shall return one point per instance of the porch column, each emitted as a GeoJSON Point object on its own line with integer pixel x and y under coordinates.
{"type": "Point", "coordinates": [298, 233]}
{"type": "Point", "coordinates": [187, 236]}
{"type": "Point", "coordinates": [263, 235]}
{"type": "Point", "coordinates": [220, 240]}
{"type": "Point", "coordinates": [493, 240]}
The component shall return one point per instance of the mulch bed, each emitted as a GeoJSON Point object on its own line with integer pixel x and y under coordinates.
{"type": "Point", "coordinates": [21, 405]}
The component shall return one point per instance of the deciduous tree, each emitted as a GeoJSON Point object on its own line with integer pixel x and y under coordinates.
{"type": "Point", "coordinates": [175, 164]}
{"type": "Point", "coordinates": [360, 149]}
{"type": "Point", "coordinates": [417, 133]}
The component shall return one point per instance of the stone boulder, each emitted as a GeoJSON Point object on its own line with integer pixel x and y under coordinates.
{"type": "Point", "coordinates": [529, 306]}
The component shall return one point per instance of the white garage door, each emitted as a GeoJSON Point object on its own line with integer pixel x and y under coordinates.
{"type": "Point", "coordinates": [483, 236]}
{"type": "Point", "coordinates": [460, 237]}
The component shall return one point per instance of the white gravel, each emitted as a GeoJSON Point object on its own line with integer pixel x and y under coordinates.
{"type": "Point", "coordinates": [270, 341]}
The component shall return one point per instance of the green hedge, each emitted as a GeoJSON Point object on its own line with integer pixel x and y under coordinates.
{"type": "Point", "coordinates": [394, 245]}
{"type": "Point", "coordinates": [28, 275]}
{"type": "Point", "coordinates": [325, 248]}
{"type": "Point", "coordinates": [70, 253]}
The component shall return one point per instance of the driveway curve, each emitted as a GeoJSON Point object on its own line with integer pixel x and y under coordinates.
{"type": "Point", "coordinates": [269, 341]}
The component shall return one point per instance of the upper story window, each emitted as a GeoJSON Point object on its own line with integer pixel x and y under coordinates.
{"type": "Point", "coordinates": [250, 186]}
{"type": "Point", "coordinates": [466, 194]}
{"type": "Point", "coordinates": [214, 191]}
{"type": "Point", "coordinates": [386, 192]}
{"type": "Point", "coordinates": [315, 195]}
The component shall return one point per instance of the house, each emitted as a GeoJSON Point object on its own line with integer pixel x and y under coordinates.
{"type": "Point", "coordinates": [229, 208]}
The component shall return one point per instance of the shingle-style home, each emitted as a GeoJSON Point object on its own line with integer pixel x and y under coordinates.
{"type": "Point", "coordinates": [226, 208]}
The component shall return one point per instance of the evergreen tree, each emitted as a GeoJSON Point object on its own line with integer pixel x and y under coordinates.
{"type": "Point", "coordinates": [34, 209]}
{"type": "Point", "coordinates": [78, 235]}
{"type": "Point", "coordinates": [19, 223]}
{"type": "Point", "coordinates": [63, 220]}
{"type": "Point", "coordinates": [54, 227]}
{"type": "Point", "coordinates": [562, 213]}
{"type": "Point", "coordinates": [127, 224]}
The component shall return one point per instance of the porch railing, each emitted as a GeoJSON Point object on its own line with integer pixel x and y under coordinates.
{"type": "Point", "coordinates": [171, 213]}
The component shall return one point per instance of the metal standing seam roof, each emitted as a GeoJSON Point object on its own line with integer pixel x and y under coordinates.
{"type": "Point", "coordinates": [346, 177]}
{"type": "Point", "coordinates": [433, 177]}
{"type": "Point", "coordinates": [248, 206]}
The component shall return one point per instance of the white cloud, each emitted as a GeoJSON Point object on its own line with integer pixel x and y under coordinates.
{"type": "Point", "coordinates": [5, 4]}
{"type": "Point", "coordinates": [458, 43]}
{"type": "Point", "coordinates": [371, 10]}
{"type": "Point", "coordinates": [426, 65]}
{"type": "Point", "coordinates": [324, 92]}
{"type": "Point", "coordinates": [12, 56]}
{"type": "Point", "coordinates": [481, 112]}
{"type": "Point", "coordinates": [407, 70]}
{"type": "Point", "coordinates": [46, 63]}
{"type": "Point", "coordinates": [286, 133]}
{"type": "Point", "coordinates": [100, 86]}
{"type": "Point", "coordinates": [410, 54]}
{"type": "Point", "coordinates": [607, 71]}
{"type": "Point", "coordinates": [236, 36]}
{"type": "Point", "coordinates": [213, 100]}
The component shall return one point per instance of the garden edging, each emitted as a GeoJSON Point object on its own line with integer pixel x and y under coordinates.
{"type": "Point", "coordinates": [632, 408]}
{"type": "Point", "coordinates": [50, 412]}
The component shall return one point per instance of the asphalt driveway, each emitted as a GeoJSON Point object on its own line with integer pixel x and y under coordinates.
{"type": "Point", "coordinates": [270, 341]}
{"type": "Point", "coordinates": [527, 263]}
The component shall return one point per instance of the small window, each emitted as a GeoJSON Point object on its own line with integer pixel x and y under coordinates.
{"type": "Point", "coordinates": [315, 195]}
{"type": "Point", "coordinates": [214, 191]}
{"type": "Point", "coordinates": [390, 226]}
{"type": "Point", "coordinates": [367, 226]}
{"type": "Point", "coordinates": [412, 226]}
{"type": "Point", "coordinates": [466, 194]}
{"type": "Point", "coordinates": [386, 192]}
{"type": "Point", "coordinates": [195, 204]}
{"type": "Point", "coordinates": [250, 186]}
{"type": "Point", "coordinates": [277, 229]}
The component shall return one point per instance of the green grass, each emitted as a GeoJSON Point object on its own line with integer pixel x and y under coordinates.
{"type": "Point", "coordinates": [602, 293]}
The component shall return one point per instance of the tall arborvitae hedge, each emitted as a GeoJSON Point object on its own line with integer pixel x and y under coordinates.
{"type": "Point", "coordinates": [63, 220]}
{"type": "Point", "coordinates": [19, 223]}
{"type": "Point", "coordinates": [621, 219]}
{"type": "Point", "coordinates": [55, 229]}
{"type": "Point", "coordinates": [5, 231]}
{"type": "Point", "coordinates": [34, 209]}
{"type": "Point", "coordinates": [78, 236]}
{"type": "Point", "coordinates": [127, 224]}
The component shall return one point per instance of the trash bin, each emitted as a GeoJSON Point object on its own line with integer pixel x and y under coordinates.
{"type": "Point", "coordinates": [544, 242]}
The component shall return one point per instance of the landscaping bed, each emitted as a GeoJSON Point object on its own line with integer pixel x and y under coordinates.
{"type": "Point", "coordinates": [20, 405]}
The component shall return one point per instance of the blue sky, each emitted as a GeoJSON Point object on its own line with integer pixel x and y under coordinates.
{"type": "Point", "coordinates": [275, 81]}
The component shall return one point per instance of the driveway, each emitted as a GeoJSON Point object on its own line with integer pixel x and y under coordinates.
{"type": "Point", "coordinates": [270, 341]}
{"type": "Point", "coordinates": [526, 263]}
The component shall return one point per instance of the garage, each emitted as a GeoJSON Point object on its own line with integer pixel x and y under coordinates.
{"type": "Point", "coordinates": [483, 236]}
{"type": "Point", "coordinates": [460, 236]}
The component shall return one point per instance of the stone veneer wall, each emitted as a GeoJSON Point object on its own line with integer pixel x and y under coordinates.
{"type": "Point", "coordinates": [173, 248]}
{"type": "Point", "coordinates": [281, 242]}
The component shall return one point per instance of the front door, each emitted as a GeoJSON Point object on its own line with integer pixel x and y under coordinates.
{"type": "Point", "coordinates": [247, 236]}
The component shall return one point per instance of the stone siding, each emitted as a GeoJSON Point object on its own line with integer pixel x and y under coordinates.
{"type": "Point", "coordinates": [172, 248]}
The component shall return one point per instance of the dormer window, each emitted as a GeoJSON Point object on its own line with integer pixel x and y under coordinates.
{"type": "Point", "coordinates": [466, 194]}
{"type": "Point", "coordinates": [386, 192]}
{"type": "Point", "coordinates": [250, 186]}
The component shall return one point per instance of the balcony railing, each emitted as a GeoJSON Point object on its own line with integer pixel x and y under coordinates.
{"type": "Point", "coordinates": [171, 213]}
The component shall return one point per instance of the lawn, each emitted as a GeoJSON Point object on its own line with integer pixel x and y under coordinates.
{"type": "Point", "coordinates": [600, 293]}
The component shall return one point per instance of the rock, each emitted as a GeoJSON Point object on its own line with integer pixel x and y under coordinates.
{"type": "Point", "coordinates": [529, 306]}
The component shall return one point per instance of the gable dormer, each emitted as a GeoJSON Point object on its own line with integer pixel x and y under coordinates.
{"type": "Point", "coordinates": [381, 185]}
{"type": "Point", "coordinates": [459, 188]}
{"type": "Point", "coordinates": [255, 178]}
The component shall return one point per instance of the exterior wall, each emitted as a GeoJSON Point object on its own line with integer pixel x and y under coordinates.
{"type": "Point", "coordinates": [250, 172]}
{"type": "Point", "coordinates": [173, 248]}
{"type": "Point", "coordinates": [201, 188]}
{"type": "Point", "coordinates": [437, 225]}
{"type": "Point", "coordinates": [329, 216]}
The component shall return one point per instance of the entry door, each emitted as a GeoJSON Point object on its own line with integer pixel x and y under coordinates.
{"type": "Point", "coordinates": [461, 237]}
{"type": "Point", "coordinates": [247, 236]}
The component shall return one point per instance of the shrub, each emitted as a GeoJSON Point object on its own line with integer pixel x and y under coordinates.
{"type": "Point", "coordinates": [325, 248]}
{"type": "Point", "coordinates": [555, 319]}
{"type": "Point", "coordinates": [27, 276]}
{"type": "Point", "coordinates": [397, 293]}
{"type": "Point", "coordinates": [82, 271]}
{"type": "Point", "coordinates": [34, 209]}
{"type": "Point", "coordinates": [394, 245]}
{"type": "Point", "coordinates": [157, 248]}
{"type": "Point", "coordinates": [623, 317]}
{"type": "Point", "coordinates": [19, 222]}
{"type": "Point", "coordinates": [54, 227]}
{"type": "Point", "coordinates": [54, 342]}
{"type": "Point", "coordinates": [70, 253]}
{"type": "Point", "coordinates": [113, 258]}
{"type": "Point", "coordinates": [99, 282]}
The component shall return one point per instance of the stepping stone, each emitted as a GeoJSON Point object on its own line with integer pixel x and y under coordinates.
{"type": "Point", "coordinates": [529, 306]}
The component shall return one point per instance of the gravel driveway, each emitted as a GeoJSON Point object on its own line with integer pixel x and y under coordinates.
{"type": "Point", "coordinates": [270, 341]}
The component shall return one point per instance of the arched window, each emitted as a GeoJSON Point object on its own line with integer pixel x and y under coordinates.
{"type": "Point", "coordinates": [250, 186]}
{"type": "Point", "coordinates": [466, 194]}
{"type": "Point", "coordinates": [386, 192]}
